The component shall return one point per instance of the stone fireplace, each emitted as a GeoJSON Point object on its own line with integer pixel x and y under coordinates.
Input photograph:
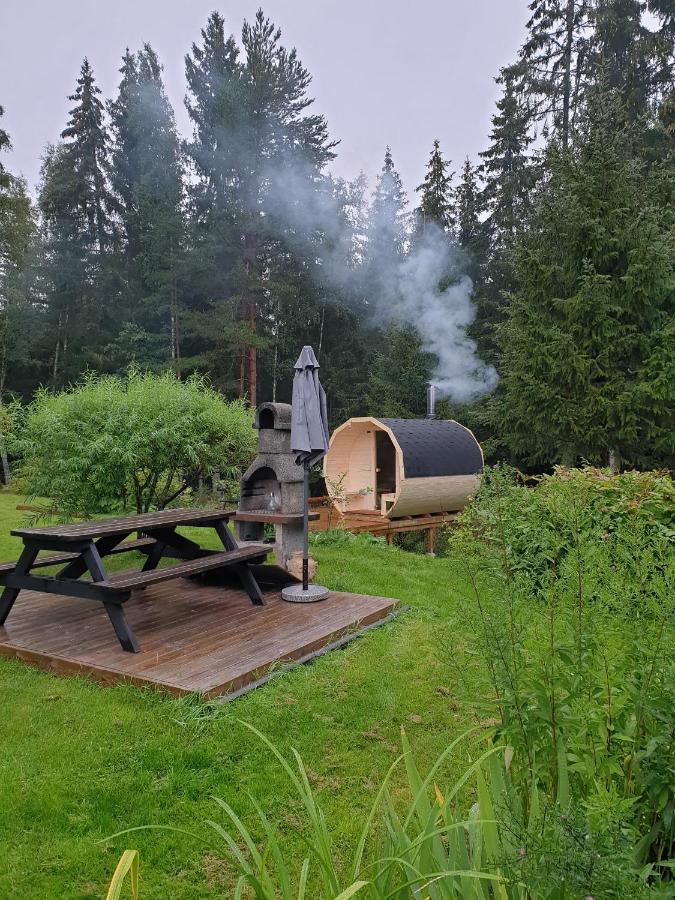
{"type": "Point", "coordinates": [272, 486]}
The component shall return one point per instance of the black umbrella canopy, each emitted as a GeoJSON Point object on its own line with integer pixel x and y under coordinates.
{"type": "Point", "coordinates": [309, 421]}
{"type": "Point", "coordinates": [309, 442]}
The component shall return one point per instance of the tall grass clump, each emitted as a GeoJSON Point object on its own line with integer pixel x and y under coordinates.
{"type": "Point", "coordinates": [571, 611]}
{"type": "Point", "coordinates": [436, 845]}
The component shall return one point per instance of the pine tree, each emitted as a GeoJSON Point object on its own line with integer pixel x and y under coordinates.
{"type": "Point", "coordinates": [587, 349]}
{"type": "Point", "coordinates": [147, 181]}
{"type": "Point", "coordinates": [552, 66]}
{"type": "Point", "coordinates": [436, 193]}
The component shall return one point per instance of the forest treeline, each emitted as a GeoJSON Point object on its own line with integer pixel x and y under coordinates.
{"type": "Point", "coordinates": [225, 252]}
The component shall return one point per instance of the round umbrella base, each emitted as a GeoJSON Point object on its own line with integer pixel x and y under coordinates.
{"type": "Point", "coordinates": [295, 594]}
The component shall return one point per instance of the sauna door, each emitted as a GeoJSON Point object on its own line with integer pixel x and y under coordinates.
{"type": "Point", "coordinates": [385, 465]}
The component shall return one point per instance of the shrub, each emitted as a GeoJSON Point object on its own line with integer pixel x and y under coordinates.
{"type": "Point", "coordinates": [571, 607]}
{"type": "Point", "coordinates": [140, 441]}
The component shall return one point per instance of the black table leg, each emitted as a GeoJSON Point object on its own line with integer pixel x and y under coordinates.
{"type": "Point", "coordinates": [9, 594]}
{"type": "Point", "coordinates": [125, 635]}
{"type": "Point", "coordinates": [119, 622]}
{"type": "Point", "coordinates": [248, 582]}
{"type": "Point", "coordinates": [154, 556]}
{"type": "Point", "coordinates": [177, 545]}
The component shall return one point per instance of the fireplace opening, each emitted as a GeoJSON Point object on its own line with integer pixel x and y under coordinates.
{"type": "Point", "coordinates": [261, 491]}
{"type": "Point", "coordinates": [266, 418]}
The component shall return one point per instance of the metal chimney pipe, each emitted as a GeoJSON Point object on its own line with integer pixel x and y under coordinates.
{"type": "Point", "coordinates": [431, 401]}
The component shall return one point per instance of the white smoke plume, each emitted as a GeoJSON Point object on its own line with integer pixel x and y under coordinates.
{"type": "Point", "coordinates": [402, 289]}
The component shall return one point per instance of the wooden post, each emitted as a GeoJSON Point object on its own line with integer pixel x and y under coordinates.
{"type": "Point", "coordinates": [429, 540]}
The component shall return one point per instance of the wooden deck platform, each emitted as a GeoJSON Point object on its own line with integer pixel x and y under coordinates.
{"type": "Point", "coordinates": [194, 638]}
{"type": "Point", "coordinates": [373, 522]}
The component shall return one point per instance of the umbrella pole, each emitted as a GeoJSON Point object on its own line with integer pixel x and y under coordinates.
{"type": "Point", "coordinates": [305, 536]}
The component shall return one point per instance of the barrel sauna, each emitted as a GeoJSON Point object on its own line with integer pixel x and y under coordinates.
{"type": "Point", "coordinates": [402, 467]}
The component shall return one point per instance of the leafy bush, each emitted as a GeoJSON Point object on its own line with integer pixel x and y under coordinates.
{"type": "Point", "coordinates": [141, 441]}
{"type": "Point", "coordinates": [571, 606]}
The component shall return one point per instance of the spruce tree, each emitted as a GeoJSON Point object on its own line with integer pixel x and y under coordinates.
{"type": "Point", "coordinates": [399, 375]}
{"type": "Point", "coordinates": [253, 132]}
{"type": "Point", "coordinates": [436, 193]}
{"type": "Point", "coordinates": [86, 145]}
{"type": "Point", "coordinates": [552, 67]}
{"type": "Point", "coordinates": [507, 168]}
{"type": "Point", "coordinates": [508, 176]}
{"type": "Point", "coordinates": [5, 144]}
{"type": "Point", "coordinates": [387, 217]}
{"type": "Point", "coordinates": [468, 209]}
{"type": "Point", "coordinates": [630, 58]}
{"type": "Point", "coordinates": [76, 208]}
{"type": "Point", "coordinates": [587, 356]}
{"type": "Point", "coordinates": [147, 181]}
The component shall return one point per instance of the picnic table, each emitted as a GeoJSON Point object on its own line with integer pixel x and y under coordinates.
{"type": "Point", "coordinates": [84, 545]}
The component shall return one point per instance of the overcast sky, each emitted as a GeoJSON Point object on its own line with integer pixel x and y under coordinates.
{"type": "Point", "coordinates": [398, 72]}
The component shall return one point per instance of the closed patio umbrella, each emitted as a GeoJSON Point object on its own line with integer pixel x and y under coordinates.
{"type": "Point", "coordinates": [309, 442]}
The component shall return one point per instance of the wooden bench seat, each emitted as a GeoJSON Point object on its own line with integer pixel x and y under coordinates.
{"type": "Point", "coordinates": [131, 580]}
{"type": "Point", "coordinates": [57, 559]}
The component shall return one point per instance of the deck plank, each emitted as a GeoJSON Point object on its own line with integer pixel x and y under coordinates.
{"type": "Point", "coordinates": [206, 639]}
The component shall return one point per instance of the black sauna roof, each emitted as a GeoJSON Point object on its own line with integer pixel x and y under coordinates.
{"type": "Point", "coordinates": [435, 447]}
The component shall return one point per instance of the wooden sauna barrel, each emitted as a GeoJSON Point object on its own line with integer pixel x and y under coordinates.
{"type": "Point", "coordinates": [402, 467]}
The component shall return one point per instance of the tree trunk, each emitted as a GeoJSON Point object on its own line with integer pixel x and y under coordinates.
{"type": "Point", "coordinates": [250, 247]}
{"type": "Point", "coordinates": [567, 83]}
{"type": "Point", "coordinates": [252, 359]}
{"type": "Point", "coordinates": [568, 458]}
{"type": "Point", "coordinates": [175, 324]}
{"type": "Point", "coordinates": [6, 474]}
{"type": "Point", "coordinates": [614, 461]}
{"type": "Point", "coordinates": [55, 367]}
{"type": "Point", "coordinates": [242, 372]}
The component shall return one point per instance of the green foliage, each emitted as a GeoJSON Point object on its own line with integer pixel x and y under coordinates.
{"type": "Point", "coordinates": [142, 441]}
{"type": "Point", "coordinates": [587, 348]}
{"type": "Point", "coordinates": [436, 193]}
{"type": "Point", "coordinates": [399, 375]}
{"type": "Point", "coordinates": [572, 607]}
{"type": "Point", "coordinates": [146, 178]}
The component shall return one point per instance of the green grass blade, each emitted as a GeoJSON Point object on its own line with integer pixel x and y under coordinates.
{"type": "Point", "coordinates": [351, 890]}
{"type": "Point", "coordinates": [436, 766]}
{"type": "Point", "coordinates": [304, 872]}
{"type": "Point", "coordinates": [128, 864]}
{"type": "Point", "coordinates": [358, 855]}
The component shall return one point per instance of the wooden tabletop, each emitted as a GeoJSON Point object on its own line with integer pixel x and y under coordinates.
{"type": "Point", "coordinates": [94, 528]}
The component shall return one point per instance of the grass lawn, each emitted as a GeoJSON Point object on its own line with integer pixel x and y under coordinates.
{"type": "Point", "coordinates": [79, 762]}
